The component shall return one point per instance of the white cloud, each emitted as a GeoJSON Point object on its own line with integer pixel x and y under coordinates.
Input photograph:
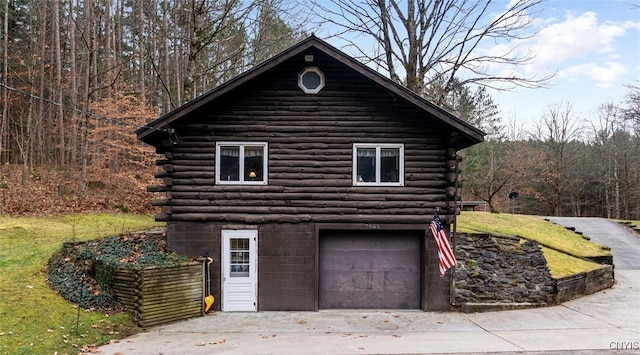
{"type": "Point", "coordinates": [632, 25]}
{"type": "Point", "coordinates": [575, 37]}
{"type": "Point", "coordinates": [557, 42]}
{"type": "Point", "coordinates": [576, 47]}
{"type": "Point", "coordinates": [604, 76]}
{"type": "Point", "coordinates": [582, 48]}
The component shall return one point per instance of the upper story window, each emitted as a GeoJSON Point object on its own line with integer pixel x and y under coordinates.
{"type": "Point", "coordinates": [241, 163]}
{"type": "Point", "coordinates": [378, 164]}
{"type": "Point", "coordinates": [311, 80]}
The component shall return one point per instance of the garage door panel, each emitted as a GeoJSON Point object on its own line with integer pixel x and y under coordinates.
{"type": "Point", "coordinates": [340, 281]}
{"type": "Point", "coordinates": [378, 259]}
{"type": "Point", "coordinates": [333, 261]}
{"type": "Point", "coordinates": [368, 280]}
{"type": "Point", "coordinates": [354, 300]}
{"type": "Point", "coordinates": [399, 280]}
{"type": "Point", "coordinates": [364, 270]}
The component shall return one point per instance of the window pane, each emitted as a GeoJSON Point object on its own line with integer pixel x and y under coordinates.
{"type": "Point", "coordinates": [229, 163]}
{"type": "Point", "coordinates": [366, 162]}
{"type": "Point", "coordinates": [389, 165]}
{"type": "Point", "coordinates": [311, 80]}
{"type": "Point", "coordinates": [239, 257]}
{"type": "Point", "coordinates": [253, 163]}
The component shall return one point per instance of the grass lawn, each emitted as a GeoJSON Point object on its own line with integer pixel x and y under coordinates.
{"type": "Point", "coordinates": [551, 236]}
{"type": "Point", "coordinates": [631, 223]}
{"type": "Point", "coordinates": [34, 319]}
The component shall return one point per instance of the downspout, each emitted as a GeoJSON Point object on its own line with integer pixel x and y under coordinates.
{"type": "Point", "coordinates": [454, 222]}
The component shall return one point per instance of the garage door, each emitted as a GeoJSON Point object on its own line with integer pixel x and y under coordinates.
{"type": "Point", "coordinates": [369, 270]}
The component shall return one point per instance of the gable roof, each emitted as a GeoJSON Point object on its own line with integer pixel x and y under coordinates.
{"type": "Point", "coordinates": [471, 135]}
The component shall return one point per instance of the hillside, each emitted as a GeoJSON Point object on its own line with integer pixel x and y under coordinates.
{"type": "Point", "coordinates": [564, 250]}
{"type": "Point", "coordinates": [51, 192]}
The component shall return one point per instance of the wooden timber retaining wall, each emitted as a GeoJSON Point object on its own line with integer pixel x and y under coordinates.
{"type": "Point", "coordinates": [586, 283]}
{"type": "Point", "coordinates": [158, 295]}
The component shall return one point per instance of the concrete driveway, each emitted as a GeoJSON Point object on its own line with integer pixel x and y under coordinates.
{"type": "Point", "coordinates": [606, 322]}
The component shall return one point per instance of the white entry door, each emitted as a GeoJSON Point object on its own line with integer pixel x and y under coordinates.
{"type": "Point", "coordinates": [239, 270]}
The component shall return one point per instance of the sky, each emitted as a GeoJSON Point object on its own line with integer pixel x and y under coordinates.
{"type": "Point", "coordinates": [592, 46]}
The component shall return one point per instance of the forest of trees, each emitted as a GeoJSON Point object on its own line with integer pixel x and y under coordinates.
{"type": "Point", "coordinates": [79, 76]}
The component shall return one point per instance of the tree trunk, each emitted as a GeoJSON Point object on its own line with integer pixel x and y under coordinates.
{"type": "Point", "coordinates": [42, 124]}
{"type": "Point", "coordinates": [58, 83]}
{"type": "Point", "coordinates": [141, 50]}
{"type": "Point", "coordinates": [177, 61]}
{"type": "Point", "coordinates": [73, 92]}
{"type": "Point", "coordinates": [90, 84]}
{"type": "Point", "coordinates": [151, 89]}
{"type": "Point", "coordinates": [5, 92]}
{"type": "Point", "coordinates": [166, 102]}
{"type": "Point", "coordinates": [109, 67]}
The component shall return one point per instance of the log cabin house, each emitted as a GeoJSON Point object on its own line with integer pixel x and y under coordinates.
{"type": "Point", "coordinates": [311, 180]}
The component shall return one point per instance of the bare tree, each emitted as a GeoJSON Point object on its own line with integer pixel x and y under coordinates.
{"type": "Point", "coordinates": [608, 121]}
{"type": "Point", "coordinates": [42, 124]}
{"type": "Point", "coordinates": [487, 171]}
{"type": "Point", "coordinates": [57, 54]}
{"type": "Point", "coordinates": [436, 39]}
{"type": "Point", "coordinates": [211, 26]}
{"type": "Point", "coordinates": [486, 166]}
{"type": "Point", "coordinates": [5, 73]}
{"type": "Point", "coordinates": [271, 34]}
{"type": "Point", "coordinates": [73, 85]}
{"type": "Point", "coordinates": [557, 130]}
{"type": "Point", "coordinates": [632, 109]}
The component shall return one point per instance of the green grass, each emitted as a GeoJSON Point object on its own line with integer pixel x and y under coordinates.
{"type": "Point", "coordinates": [34, 319]}
{"type": "Point", "coordinates": [631, 223]}
{"type": "Point", "coordinates": [562, 265]}
{"type": "Point", "coordinates": [552, 237]}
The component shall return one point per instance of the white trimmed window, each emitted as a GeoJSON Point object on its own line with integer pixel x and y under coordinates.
{"type": "Point", "coordinates": [378, 164]}
{"type": "Point", "coordinates": [241, 163]}
{"type": "Point", "coordinates": [311, 80]}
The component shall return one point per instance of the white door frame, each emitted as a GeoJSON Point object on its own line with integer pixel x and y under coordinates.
{"type": "Point", "coordinates": [239, 270]}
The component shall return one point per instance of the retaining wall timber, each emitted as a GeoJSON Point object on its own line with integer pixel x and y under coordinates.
{"type": "Point", "coordinates": [586, 283]}
{"type": "Point", "coordinates": [159, 295]}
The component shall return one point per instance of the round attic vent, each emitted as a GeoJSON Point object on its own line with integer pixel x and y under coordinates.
{"type": "Point", "coordinates": [311, 80]}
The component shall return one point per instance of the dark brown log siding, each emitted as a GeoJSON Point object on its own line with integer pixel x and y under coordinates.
{"type": "Point", "coordinates": [310, 141]}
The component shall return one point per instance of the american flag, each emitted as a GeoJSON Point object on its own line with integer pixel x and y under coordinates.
{"type": "Point", "coordinates": [445, 254]}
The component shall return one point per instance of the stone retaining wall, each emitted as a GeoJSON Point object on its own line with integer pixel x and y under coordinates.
{"type": "Point", "coordinates": [500, 273]}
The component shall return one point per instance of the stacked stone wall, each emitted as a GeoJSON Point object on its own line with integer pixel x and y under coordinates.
{"type": "Point", "coordinates": [500, 273]}
{"type": "Point", "coordinates": [501, 270]}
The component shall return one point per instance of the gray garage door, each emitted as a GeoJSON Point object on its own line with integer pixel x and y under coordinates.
{"type": "Point", "coordinates": [369, 270]}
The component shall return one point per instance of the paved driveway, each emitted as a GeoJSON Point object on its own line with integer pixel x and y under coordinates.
{"type": "Point", "coordinates": [624, 244]}
{"type": "Point", "coordinates": [607, 322]}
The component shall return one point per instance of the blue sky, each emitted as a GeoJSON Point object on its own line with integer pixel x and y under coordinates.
{"type": "Point", "coordinates": [593, 46]}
